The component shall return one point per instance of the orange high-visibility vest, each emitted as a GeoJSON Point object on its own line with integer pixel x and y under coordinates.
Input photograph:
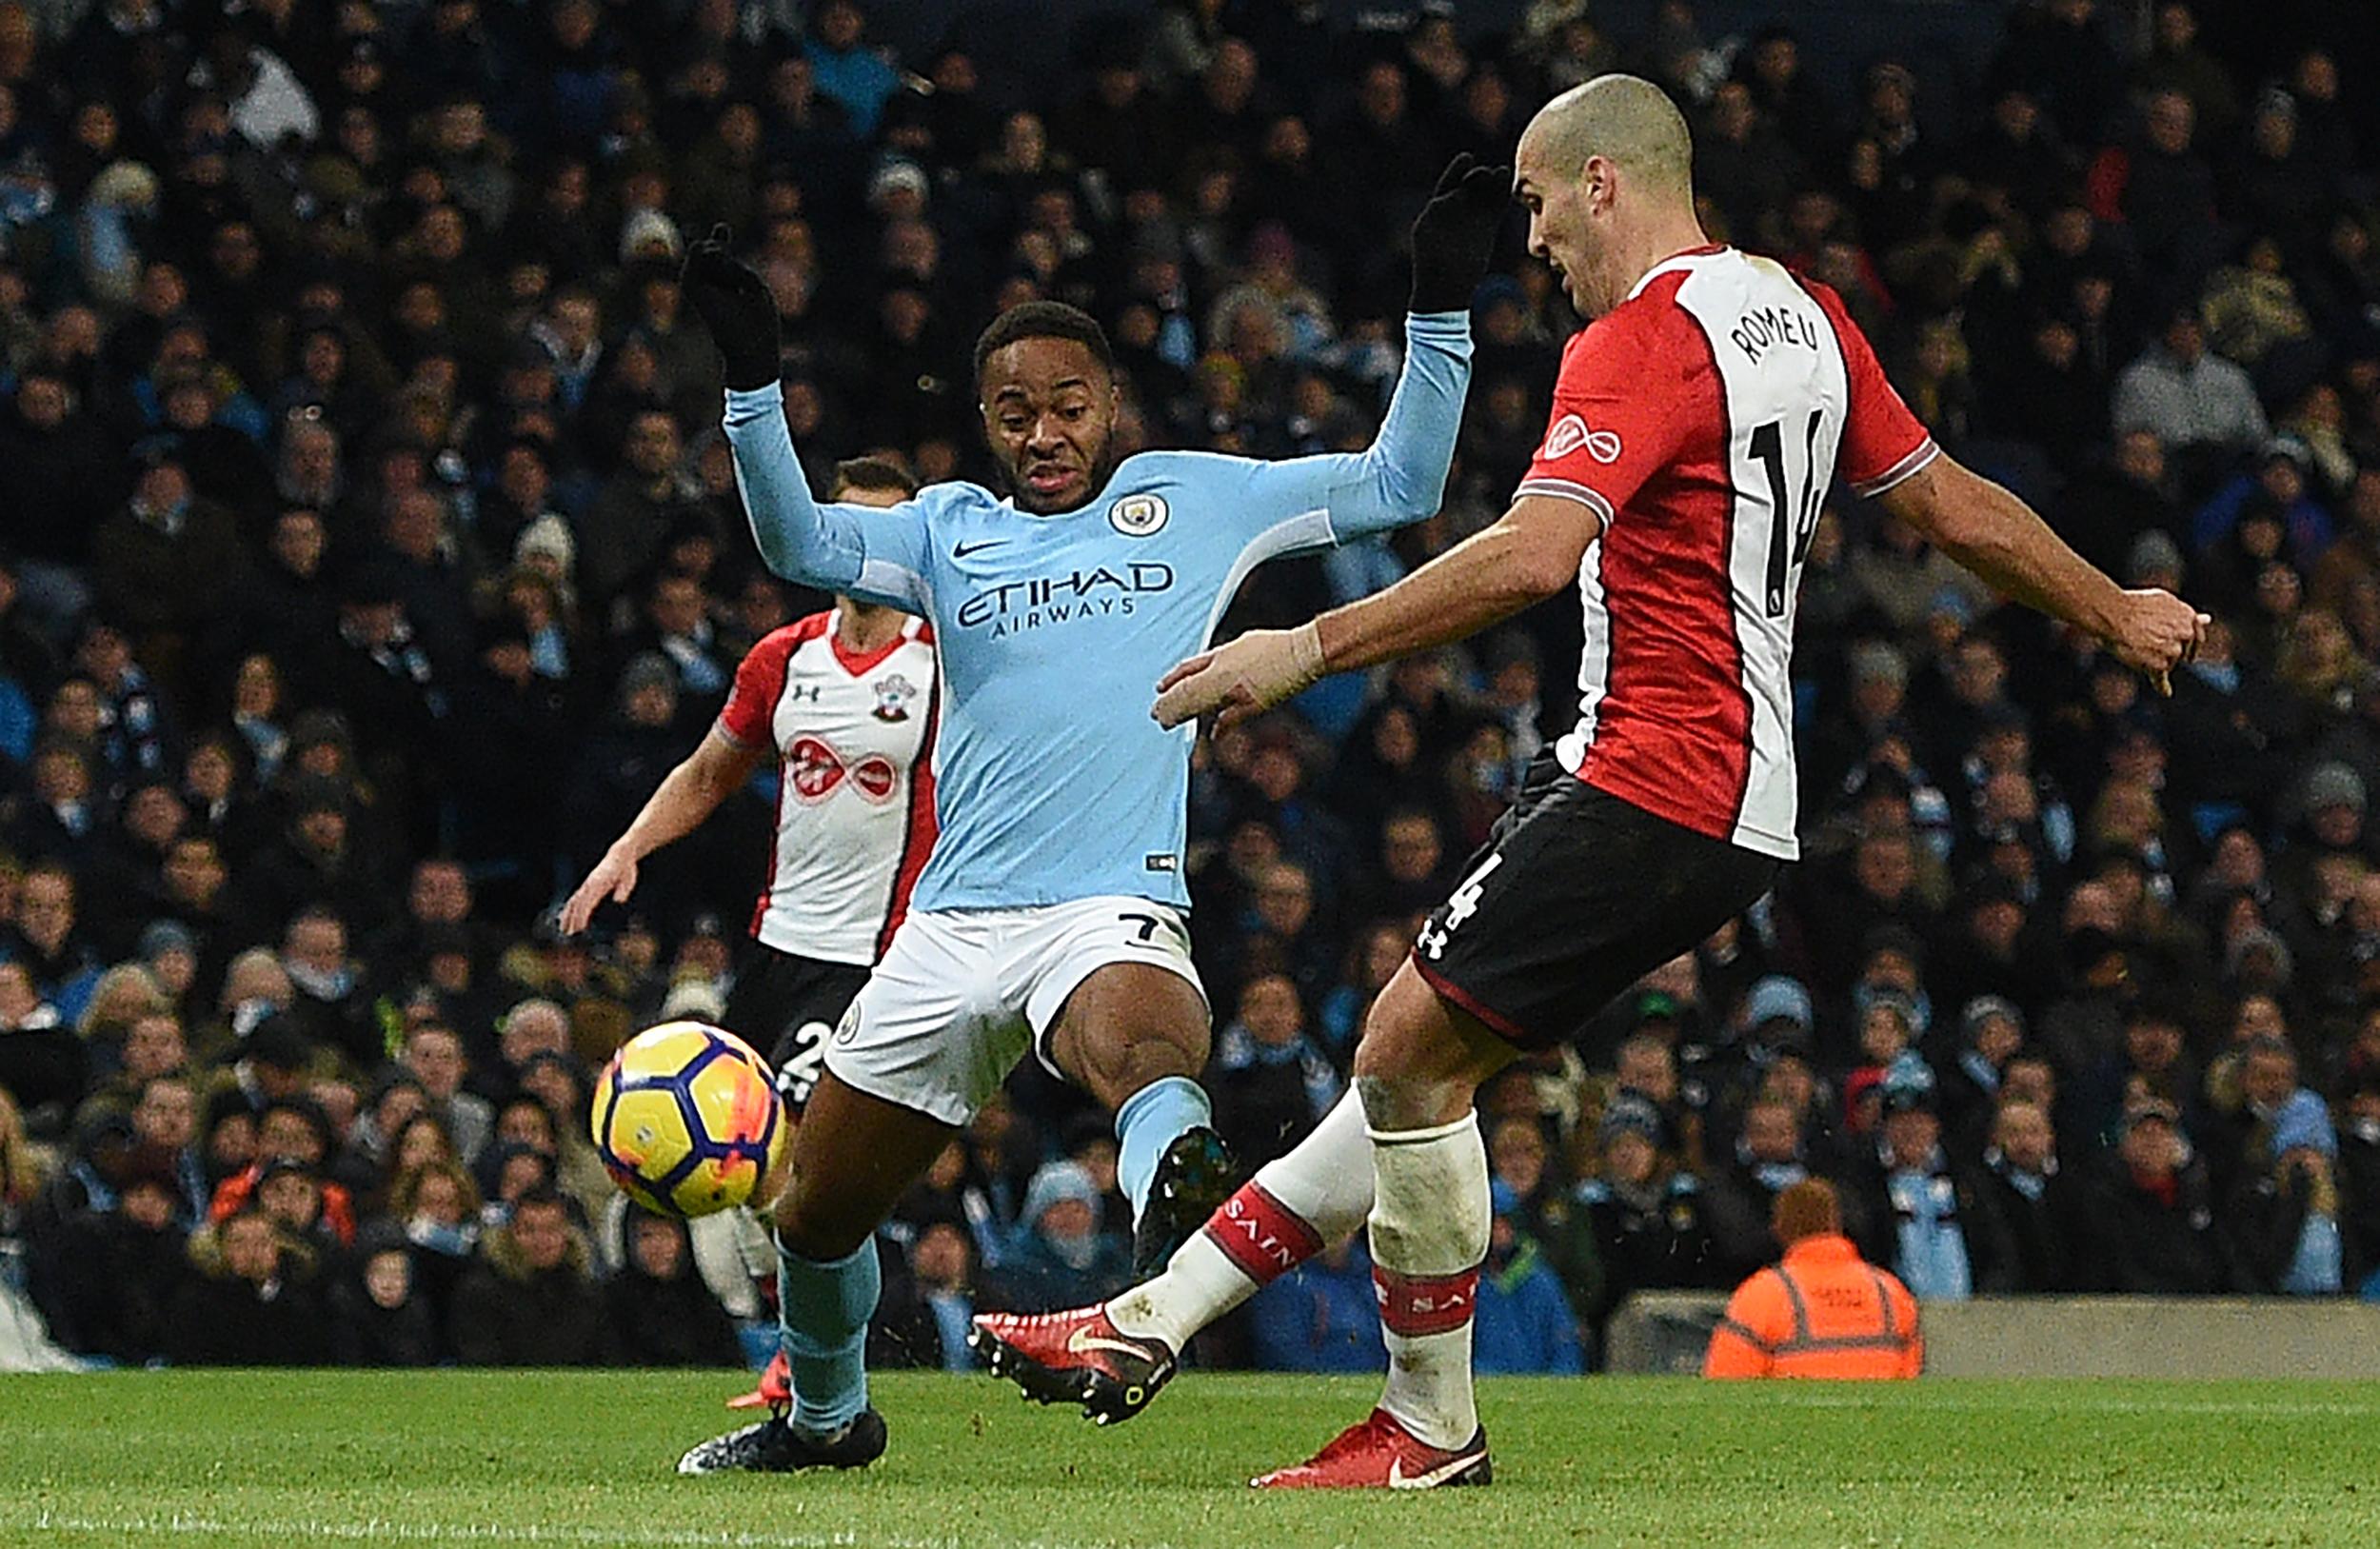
{"type": "Point", "coordinates": [1823, 1311]}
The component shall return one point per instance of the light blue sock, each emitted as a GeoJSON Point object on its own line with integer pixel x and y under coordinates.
{"type": "Point", "coordinates": [1149, 1121]}
{"type": "Point", "coordinates": [823, 1310]}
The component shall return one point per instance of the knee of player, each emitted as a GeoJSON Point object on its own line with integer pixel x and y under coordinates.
{"type": "Point", "coordinates": [1168, 1046]}
{"type": "Point", "coordinates": [1392, 1101]}
{"type": "Point", "coordinates": [1124, 1054]}
{"type": "Point", "coordinates": [814, 1229]}
{"type": "Point", "coordinates": [1389, 1056]}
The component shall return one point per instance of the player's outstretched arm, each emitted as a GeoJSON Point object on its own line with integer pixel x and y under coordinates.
{"type": "Point", "coordinates": [832, 548]}
{"type": "Point", "coordinates": [828, 546]}
{"type": "Point", "coordinates": [1400, 478]}
{"type": "Point", "coordinates": [2002, 539]}
{"type": "Point", "coordinates": [686, 797]}
{"type": "Point", "coordinates": [1533, 552]}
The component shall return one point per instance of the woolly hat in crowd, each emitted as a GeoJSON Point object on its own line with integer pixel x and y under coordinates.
{"type": "Point", "coordinates": [2154, 558]}
{"type": "Point", "coordinates": [1873, 660]}
{"type": "Point", "coordinates": [649, 234]}
{"type": "Point", "coordinates": [125, 185]}
{"type": "Point", "coordinates": [646, 670]}
{"type": "Point", "coordinates": [1629, 1113]}
{"type": "Point", "coordinates": [1056, 1183]}
{"type": "Point", "coordinates": [693, 996]}
{"type": "Point", "coordinates": [2333, 785]}
{"type": "Point", "coordinates": [550, 536]}
{"type": "Point", "coordinates": [164, 936]}
{"type": "Point", "coordinates": [1908, 1085]}
{"type": "Point", "coordinates": [1980, 1011]}
{"type": "Point", "coordinates": [1778, 999]}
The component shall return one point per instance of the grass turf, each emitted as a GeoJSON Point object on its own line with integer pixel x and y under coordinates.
{"type": "Point", "coordinates": [240, 1457]}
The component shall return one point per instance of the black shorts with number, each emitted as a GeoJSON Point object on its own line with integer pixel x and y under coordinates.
{"type": "Point", "coordinates": [1576, 896]}
{"type": "Point", "coordinates": [785, 1006]}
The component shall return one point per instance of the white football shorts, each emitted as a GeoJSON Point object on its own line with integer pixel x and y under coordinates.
{"type": "Point", "coordinates": [962, 994]}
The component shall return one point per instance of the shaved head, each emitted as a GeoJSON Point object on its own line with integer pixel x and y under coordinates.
{"type": "Point", "coordinates": [1626, 120]}
{"type": "Point", "coordinates": [1606, 173]}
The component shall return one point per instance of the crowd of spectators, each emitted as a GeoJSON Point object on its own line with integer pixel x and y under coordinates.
{"type": "Point", "coordinates": [370, 550]}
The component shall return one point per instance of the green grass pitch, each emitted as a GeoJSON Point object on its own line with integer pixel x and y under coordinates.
{"type": "Point", "coordinates": [164, 1460]}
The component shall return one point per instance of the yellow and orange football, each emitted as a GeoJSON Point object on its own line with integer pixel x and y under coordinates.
{"type": "Point", "coordinates": [687, 1121]}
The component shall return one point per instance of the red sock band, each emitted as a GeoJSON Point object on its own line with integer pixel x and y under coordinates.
{"type": "Point", "coordinates": [1412, 1305]}
{"type": "Point", "coordinates": [1260, 1236]}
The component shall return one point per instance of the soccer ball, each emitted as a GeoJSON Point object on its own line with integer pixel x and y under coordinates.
{"type": "Point", "coordinates": [687, 1121]}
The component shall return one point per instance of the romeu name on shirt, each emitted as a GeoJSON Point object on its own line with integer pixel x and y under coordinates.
{"type": "Point", "coordinates": [1704, 419]}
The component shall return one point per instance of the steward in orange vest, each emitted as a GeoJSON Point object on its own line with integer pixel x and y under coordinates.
{"type": "Point", "coordinates": [1823, 1311]}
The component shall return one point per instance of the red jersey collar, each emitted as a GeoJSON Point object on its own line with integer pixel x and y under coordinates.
{"type": "Point", "coordinates": [859, 664]}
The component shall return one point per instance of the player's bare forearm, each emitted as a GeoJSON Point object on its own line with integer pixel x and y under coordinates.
{"type": "Point", "coordinates": [2000, 537]}
{"type": "Point", "coordinates": [1529, 555]}
{"type": "Point", "coordinates": [689, 795]}
{"type": "Point", "coordinates": [2005, 542]}
{"type": "Point", "coordinates": [1532, 554]}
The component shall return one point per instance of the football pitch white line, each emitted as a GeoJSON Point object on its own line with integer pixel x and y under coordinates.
{"type": "Point", "coordinates": [382, 1530]}
{"type": "Point", "coordinates": [2005, 1402]}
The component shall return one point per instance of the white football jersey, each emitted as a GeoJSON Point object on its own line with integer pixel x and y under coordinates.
{"type": "Point", "coordinates": [854, 736]}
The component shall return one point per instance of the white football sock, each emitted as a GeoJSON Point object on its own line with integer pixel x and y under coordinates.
{"type": "Point", "coordinates": [1293, 1207]}
{"type": "Point", "coordinates": [1429, 1234]}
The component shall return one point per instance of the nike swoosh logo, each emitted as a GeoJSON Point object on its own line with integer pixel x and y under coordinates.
{"type": "Point", "coordinates": [1082, 1341]}
{"type": "Point", "coordinates": [962, 550]}
{"type": "Point", "coordinates": [1397, 1480]}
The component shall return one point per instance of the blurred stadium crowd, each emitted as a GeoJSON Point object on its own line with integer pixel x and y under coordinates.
{"type": "Point", "coordinates": [370, 550]}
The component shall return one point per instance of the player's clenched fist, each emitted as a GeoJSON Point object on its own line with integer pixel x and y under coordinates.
{"type": "Point", "coordinates": [1250, 675]}
{"type": "Point", "coordinates": [2156, 631]}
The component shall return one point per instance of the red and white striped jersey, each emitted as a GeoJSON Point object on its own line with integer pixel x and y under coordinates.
{"type": "Point", "coordinates": [1703, 420]}
{"type": "Point", "coordinates": [855, 804]}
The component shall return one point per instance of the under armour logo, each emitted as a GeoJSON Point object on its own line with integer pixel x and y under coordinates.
{"type": "Point", "coordinates": [802, 693]}
{"type": "Point", "coordinates": [1570, 433]}
{"type": "Point", "coordinates": [815, 768]}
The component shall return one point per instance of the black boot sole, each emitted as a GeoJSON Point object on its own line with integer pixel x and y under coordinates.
{"type": "Point", "coordinates": [1103, 1400]}
{"type": "Point", "coordinates": [1194, 1178]}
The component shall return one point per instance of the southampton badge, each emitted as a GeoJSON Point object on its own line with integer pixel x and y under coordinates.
{"type": "Point", "coordinates": [1137, 516]}
{"type": "Point", "coordinates": [893, 695]}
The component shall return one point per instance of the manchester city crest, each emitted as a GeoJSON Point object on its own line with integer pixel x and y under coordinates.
{"type": "Point", "coordinates": [1137, 516]}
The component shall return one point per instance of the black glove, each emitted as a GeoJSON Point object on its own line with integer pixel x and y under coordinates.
{"type": "Point", "coordinates": [1455, 232]}
{"type": "Point", "coordinates": [736, 307]}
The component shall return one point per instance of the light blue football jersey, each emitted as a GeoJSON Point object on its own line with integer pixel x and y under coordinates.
{"type": "Point", "coordinates": [1051, 781]}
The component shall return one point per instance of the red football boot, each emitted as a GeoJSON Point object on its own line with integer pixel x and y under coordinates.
{"type": "Point", "coordinates": [1381, 1454]}
{"type": "Point", "coordinates": [1074, 1357]}
{"type": "Point", "coordinates": [775, 1389]}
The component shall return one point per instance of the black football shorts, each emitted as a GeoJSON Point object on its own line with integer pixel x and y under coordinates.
{"type": "Point", "coordinates": [786, 1006]}
{"type": "Point", "coordinates": [1576, 896]}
